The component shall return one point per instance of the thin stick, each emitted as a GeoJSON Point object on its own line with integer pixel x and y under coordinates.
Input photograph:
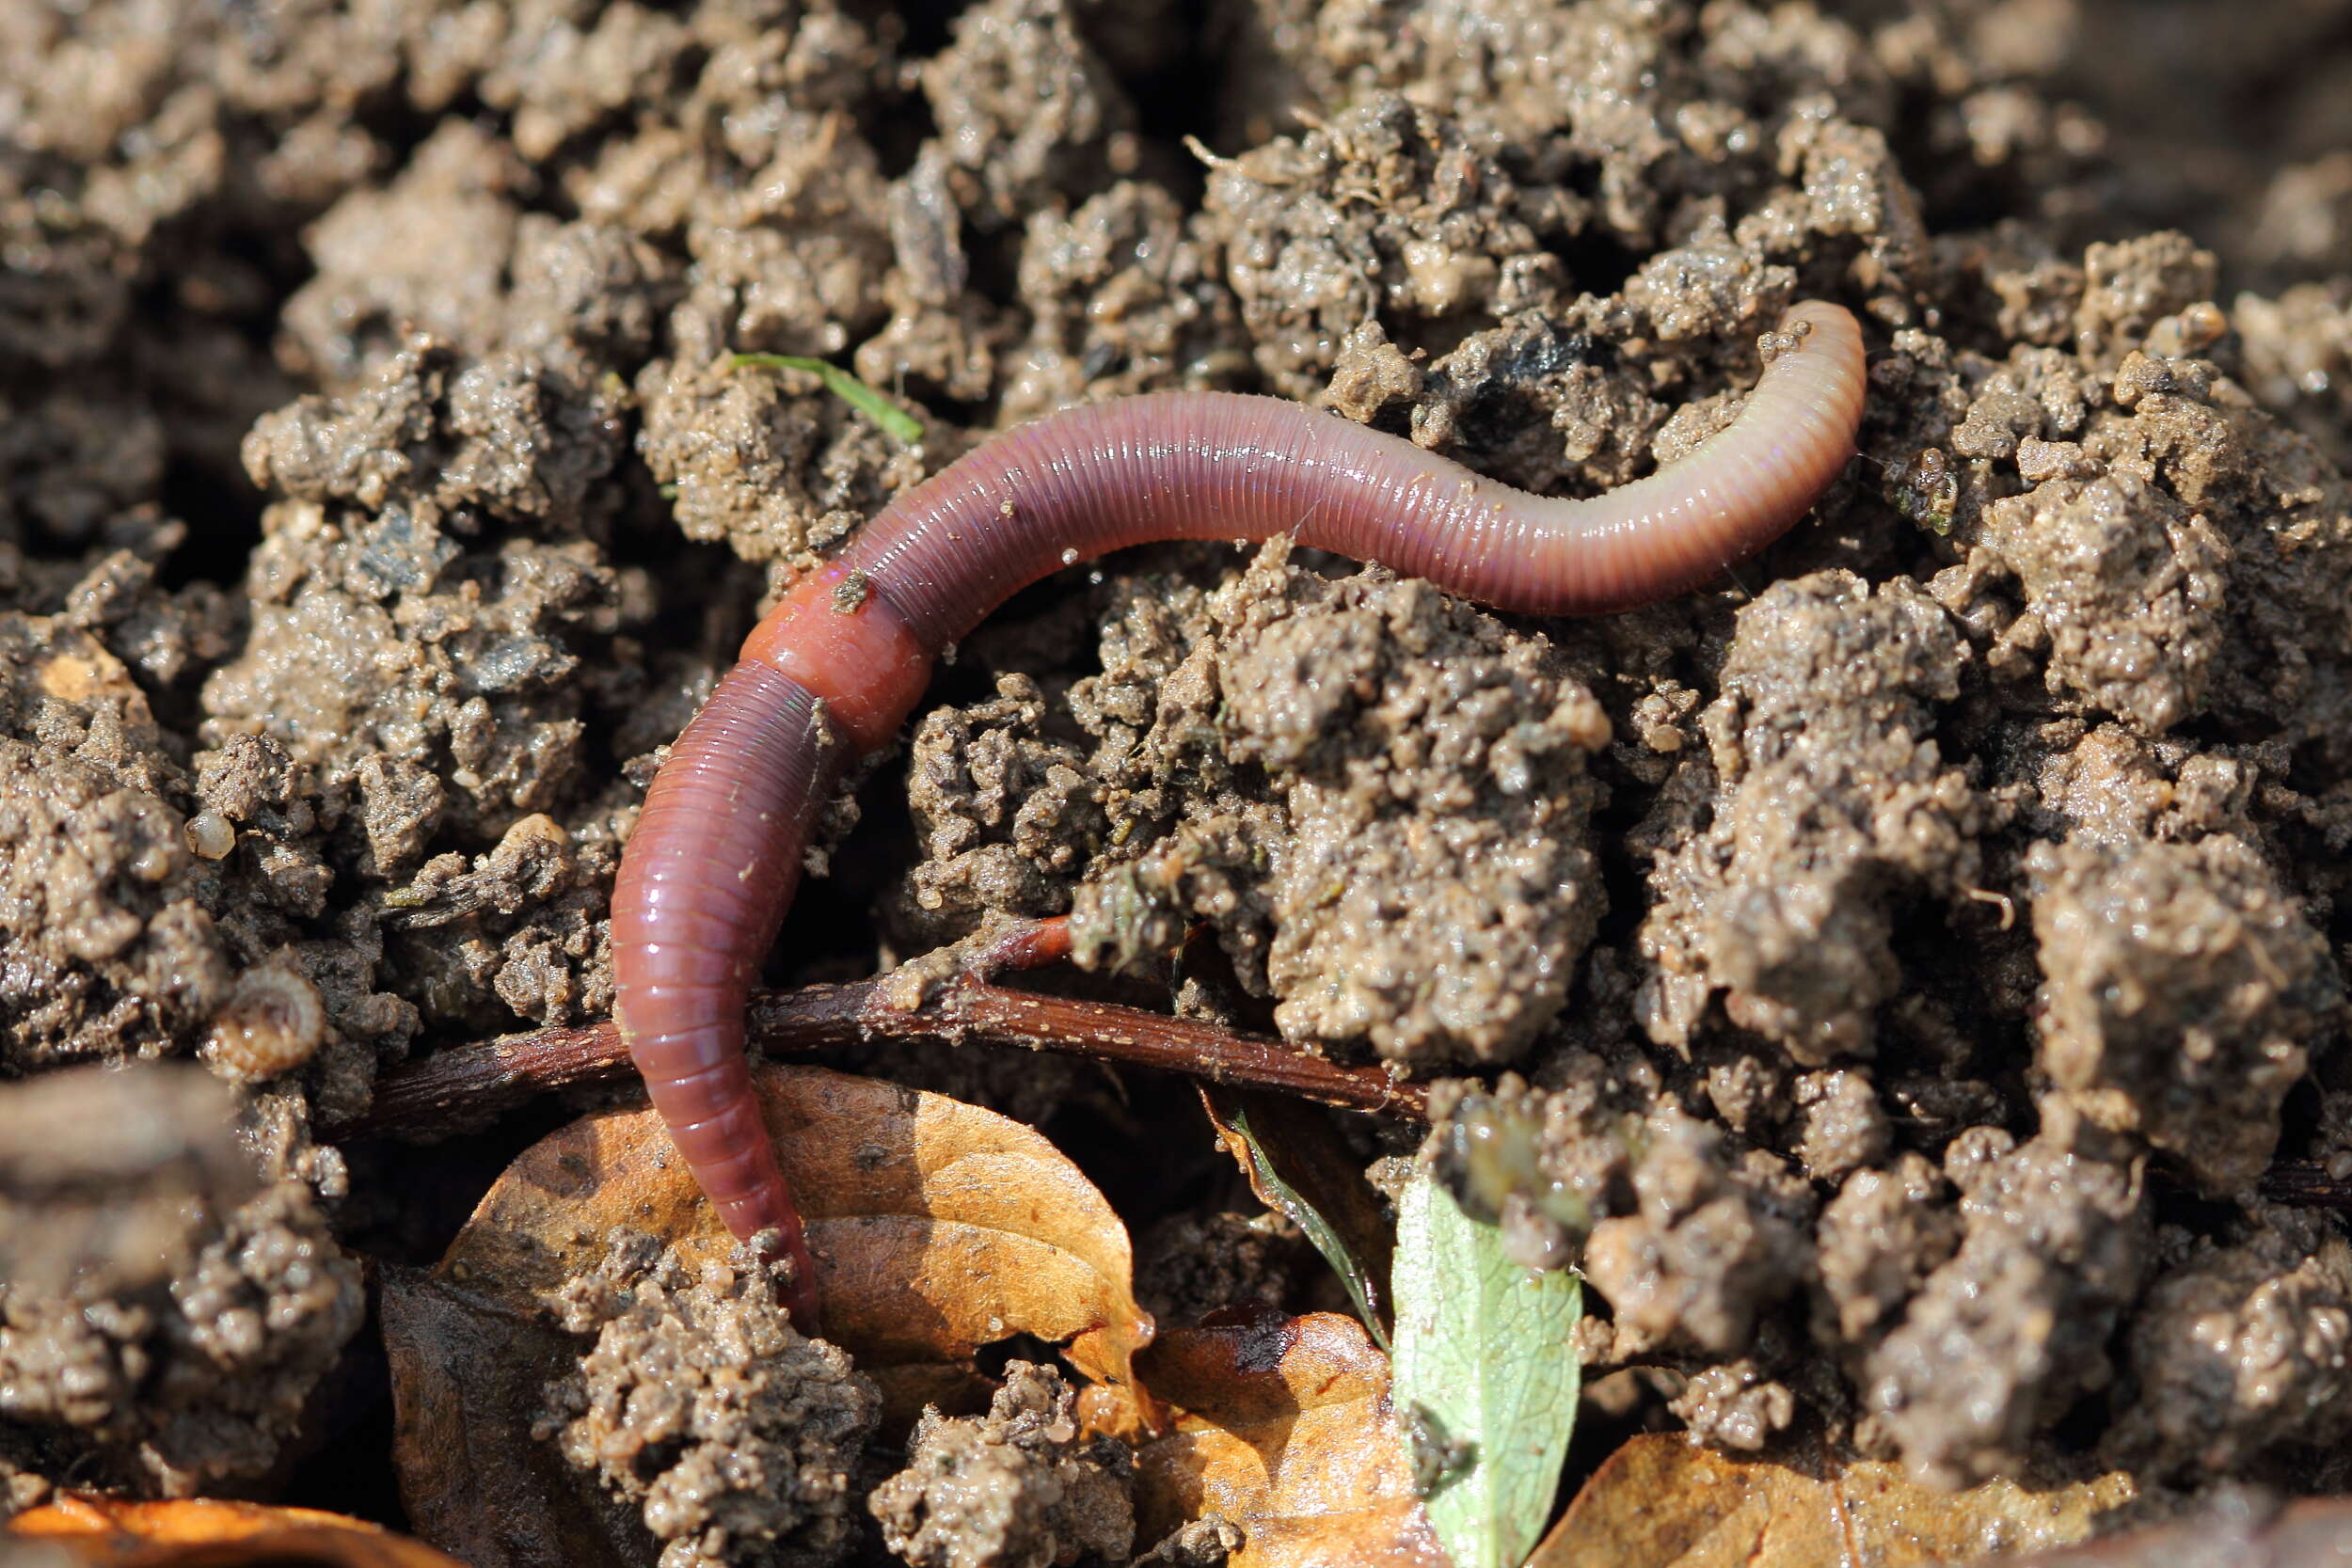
{"type": "Point", "coordinates": [2305, 1185]}
{"type": "Point", "coordinates": [466, 1086]}
{"type": "Point", "coordinates": [470, 1085]}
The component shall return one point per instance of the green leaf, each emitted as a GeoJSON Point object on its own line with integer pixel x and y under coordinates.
{"type": "Point", "coordinates": [896, 422]}
{"type": "Point", "coordinates": [1362, 1288]}
{"type": "Point", "coordinates": [1486, 1378]}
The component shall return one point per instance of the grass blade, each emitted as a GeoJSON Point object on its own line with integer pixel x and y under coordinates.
{"type": "Point", "coordinates": [1355, 1273]}
{"type": "Point", "coordinates": [896, 422]}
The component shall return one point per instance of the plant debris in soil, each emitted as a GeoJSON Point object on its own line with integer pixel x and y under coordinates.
{"type": "Point", "coordinates": [1889, 975]}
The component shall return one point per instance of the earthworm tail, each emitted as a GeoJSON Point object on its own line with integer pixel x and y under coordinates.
{"type": "Point", "coordinates": [1225, 466]}
{"type": "Point", "coordinates": [714, 859]}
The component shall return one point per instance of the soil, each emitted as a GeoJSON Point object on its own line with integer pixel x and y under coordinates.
{"type": "Point", "coordinates": [1890, 974]}
{"type": "Point", "coordinates": [1021, 1487]}
{"type": "Point", "coordinates": [737, 1439]}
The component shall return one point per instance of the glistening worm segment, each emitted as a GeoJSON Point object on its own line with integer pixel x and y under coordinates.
{"type": "Point", "coordinates": [835, 670]}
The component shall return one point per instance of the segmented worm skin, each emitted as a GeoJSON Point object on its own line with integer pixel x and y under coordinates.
{"type": "Point", "coordinates": [835, 668]}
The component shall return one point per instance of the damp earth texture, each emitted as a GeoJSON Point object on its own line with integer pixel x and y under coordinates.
{"type": "Point", "coordinates": [1902, 972]}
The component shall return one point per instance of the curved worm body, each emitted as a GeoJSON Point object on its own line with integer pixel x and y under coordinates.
{"type": "Point", "coordinates": [835, 670]}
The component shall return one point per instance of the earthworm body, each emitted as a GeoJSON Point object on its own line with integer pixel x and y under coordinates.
{"type": "Point", "coordinates": [835, 670]}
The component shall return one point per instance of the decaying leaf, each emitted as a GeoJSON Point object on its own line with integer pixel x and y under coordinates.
{"type": "Point", "coordinates": [1298, 1167]}
{"type": "Point", "coordinates": [937, 1226]}
{"type": "Point", "coordinates": [200, 1532]}
{"type": "Point", "coordinates": [1283, 1426]}
{"type": "Point", "coordinates": [1487, 1372]}
{"type": "Point", "coordinates": [1665, 1502]}
{"type": "Point", "coordinates": [2230, 1526]}
{"type": "Point", "coordinates": [469, 1378]}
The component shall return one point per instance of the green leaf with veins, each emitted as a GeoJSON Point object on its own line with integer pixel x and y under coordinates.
{"type": "Point", "coordinates": [896, 422]}
{"type": "Point", "coordinates": [1485, 1379]}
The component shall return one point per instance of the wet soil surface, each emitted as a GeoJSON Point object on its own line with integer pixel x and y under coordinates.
{"type": "Point", "coordinates": [1890, 974]}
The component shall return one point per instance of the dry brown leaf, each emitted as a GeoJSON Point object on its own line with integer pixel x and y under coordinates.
{"type": "Point", "coordinates": [467, 1380]}
{"type": "Point", "coordinates": [1283, 1426]}
{"type": "Point", "coordinates": [937, 1226]}
{"type": "Point", "coordinates": [1665, 1502]}
{"type": "Point", "coordinates": [2230, 1527]}
{"type": "Point", "coordinates": [200, 1532]}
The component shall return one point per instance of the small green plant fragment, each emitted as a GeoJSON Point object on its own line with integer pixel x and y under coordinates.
{"type": "Point", "coordinates": [1362, 1288]}
{"type": "Point", "coordinates": [896, 422]}
{"type": "Point", "coordinates": [1926, 491]}
{"type": "Point", "coordinates": [1485, 1376]}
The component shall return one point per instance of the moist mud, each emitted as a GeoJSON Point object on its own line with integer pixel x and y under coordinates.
{"type": "Point", "coordinates": [1896, 971]}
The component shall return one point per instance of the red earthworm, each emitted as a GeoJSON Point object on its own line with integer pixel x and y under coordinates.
{"type": "Point", "coordinates": [837, 667]}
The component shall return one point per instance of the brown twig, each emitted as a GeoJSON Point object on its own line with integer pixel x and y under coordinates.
{"type": "Point", "coordinates": [1017, 944]}
{"type": "Point", "coordinates": [462, 1087]}
{"type": "Point", "coordinates": [2305, 1185]}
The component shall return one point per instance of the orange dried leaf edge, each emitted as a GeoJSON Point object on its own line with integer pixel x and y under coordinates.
{"type": "Point", "coordinates": [203, 1531]}
{"type": "Point", "coordinates": [1283, 1426]}
{"type": "Point", "coordinates": [1663, 1501]}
